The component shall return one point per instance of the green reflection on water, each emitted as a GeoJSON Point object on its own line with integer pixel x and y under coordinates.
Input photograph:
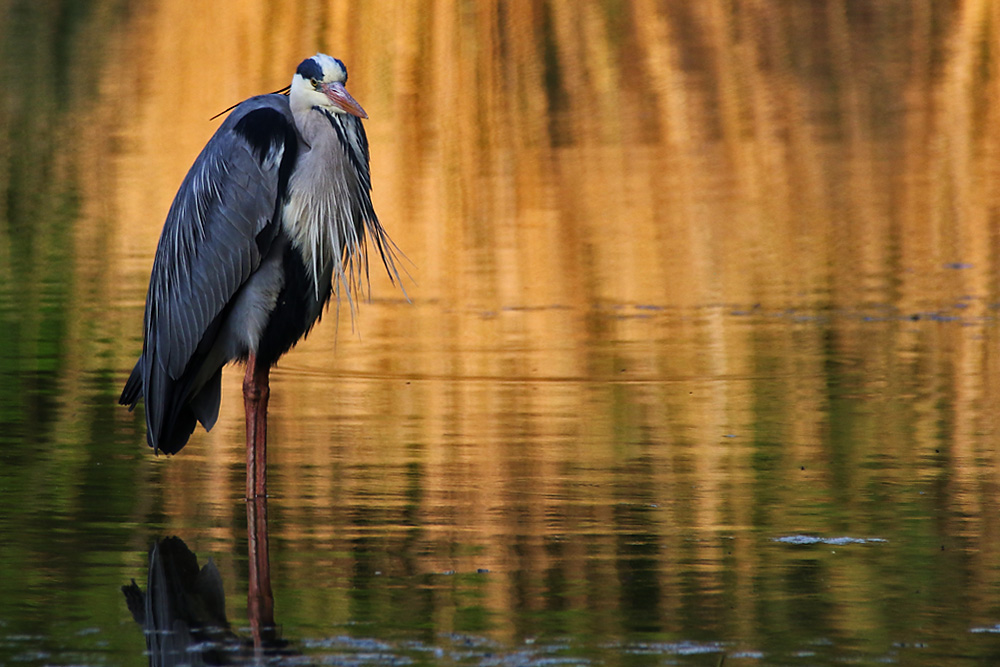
{"type": "Point", "coordinates": [63, 495]}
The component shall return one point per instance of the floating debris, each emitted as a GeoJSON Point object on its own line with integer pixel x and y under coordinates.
{"type": "Point", "coordinates": [995, 629]}
{"type": "Point", "coordinates": [835, 541]}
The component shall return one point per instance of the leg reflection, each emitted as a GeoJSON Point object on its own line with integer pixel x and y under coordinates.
{"type": "Point", "coordinates": [260, 602]}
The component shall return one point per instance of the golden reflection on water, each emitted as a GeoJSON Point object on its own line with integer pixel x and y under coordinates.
{"type": "Point", "coordinates": [670, 257]}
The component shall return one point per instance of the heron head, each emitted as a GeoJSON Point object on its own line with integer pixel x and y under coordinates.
{"type": "Point", "coordinates": [319, 82]}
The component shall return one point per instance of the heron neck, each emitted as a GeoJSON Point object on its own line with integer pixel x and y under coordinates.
{"type": "Point", "coordinates": [320, 211]}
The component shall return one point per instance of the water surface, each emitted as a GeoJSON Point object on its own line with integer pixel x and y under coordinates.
{"type": "Point", "coordinates": [696, 359]}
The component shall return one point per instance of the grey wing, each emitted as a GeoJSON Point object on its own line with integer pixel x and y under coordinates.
{"type": "Point", "coordinates": [219, 226]}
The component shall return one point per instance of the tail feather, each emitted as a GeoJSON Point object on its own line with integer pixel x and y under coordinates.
{"type": "Point", "coordinates": [186, 410]}
{"type": "Point", "coordinates": [171, 409]}
{"type": "Point", "coordinates": [133, 387]}
{"type": "Point", "coordinates": [175, 432]}
{"type": "Point", "coordinates": [205, 404]}
{"type": "Point", "coordinates": [175, 405]}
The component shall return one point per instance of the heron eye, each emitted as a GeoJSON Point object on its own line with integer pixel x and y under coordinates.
{"type": "Point", "coordinates": [315, 82]}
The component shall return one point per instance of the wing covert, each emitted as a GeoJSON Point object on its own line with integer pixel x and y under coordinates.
{"type": "Point", "coordinates": [219, 226]}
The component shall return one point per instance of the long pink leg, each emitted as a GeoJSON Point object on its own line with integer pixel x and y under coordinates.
{"type": "Point", "coordinates": [255, 394]}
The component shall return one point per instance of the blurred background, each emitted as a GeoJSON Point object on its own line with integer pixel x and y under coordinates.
{"type": "Point", "coordinates": [697, 356]}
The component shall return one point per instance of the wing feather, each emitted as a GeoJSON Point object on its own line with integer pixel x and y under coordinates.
{"type": "Point", "coordinates": [216, 232]}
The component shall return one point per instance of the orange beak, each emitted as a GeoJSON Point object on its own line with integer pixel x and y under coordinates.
{"type": "Point", "coordinates": [343, 100]}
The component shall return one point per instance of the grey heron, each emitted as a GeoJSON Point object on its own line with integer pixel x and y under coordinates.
{"type": "Point", "coordinates": [274, 216]}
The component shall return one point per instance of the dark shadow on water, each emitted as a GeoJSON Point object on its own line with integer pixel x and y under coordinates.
{"type": "Point", "coordinates": [183, 609]}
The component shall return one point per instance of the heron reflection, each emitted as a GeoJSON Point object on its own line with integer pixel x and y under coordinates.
{"type": "Point", "coordinates": [183, 609]}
